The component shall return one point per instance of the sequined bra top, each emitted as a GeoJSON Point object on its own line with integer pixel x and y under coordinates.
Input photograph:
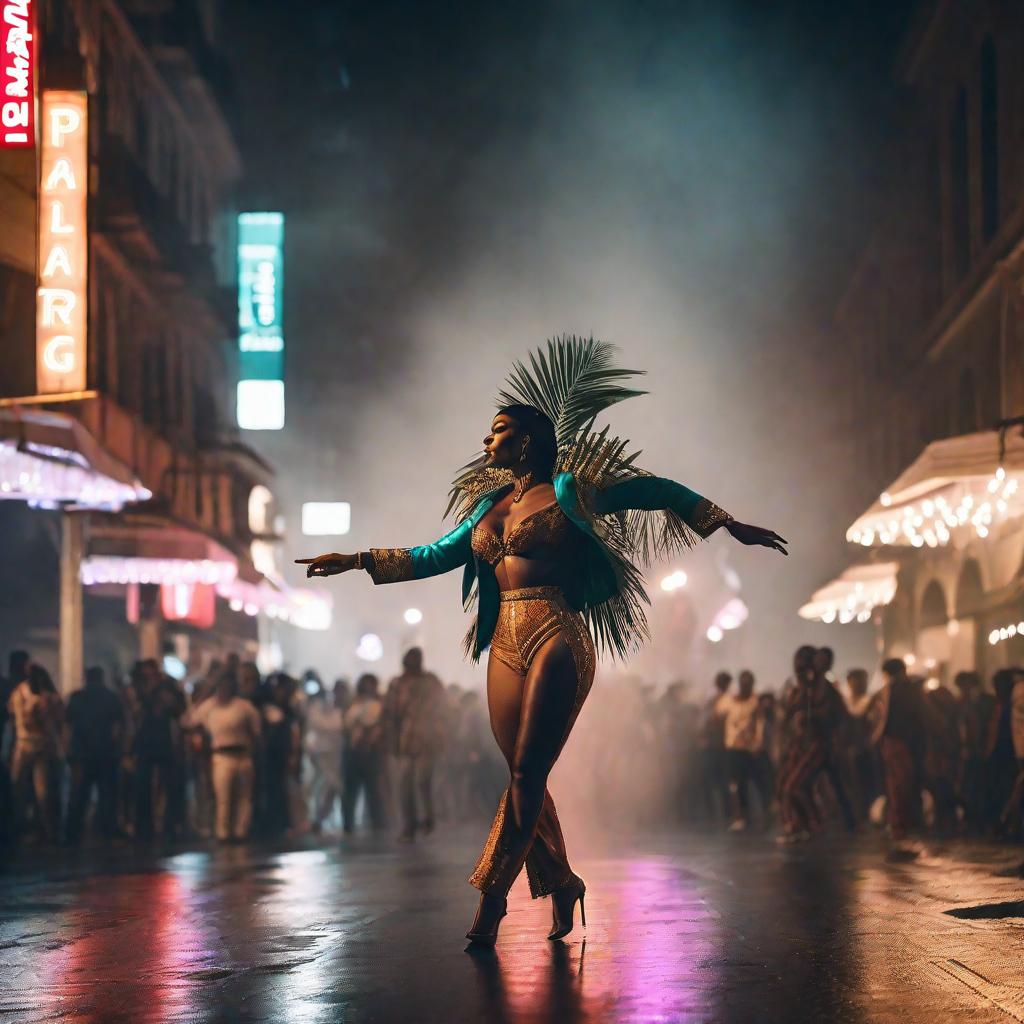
{"type": "Point", "coordinates": [547, 525]}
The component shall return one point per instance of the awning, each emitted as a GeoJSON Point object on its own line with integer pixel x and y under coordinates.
{"type": "Point", "coordinates": [955, 486]}
{"type": "Point", "coordinates": [854, 594]}
{"type": "Point", "coordinates": [48, 459]}
{"type": "Point", "coordinates": [150, 548]}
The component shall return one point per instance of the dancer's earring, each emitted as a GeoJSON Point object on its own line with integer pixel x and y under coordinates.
{"type": "Point", "coordinates": [524, 480]}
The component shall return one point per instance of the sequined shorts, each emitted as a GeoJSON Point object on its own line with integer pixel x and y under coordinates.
{"type": "Point", "coordinates": [528, 618]}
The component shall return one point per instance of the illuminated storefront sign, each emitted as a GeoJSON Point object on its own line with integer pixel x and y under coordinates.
{"type": "Point", "coordinates": [260, 321]}
{"type": "Point", "coordinates": [17, 74]}
{"type": "Point", "coordinates": [61, 303]}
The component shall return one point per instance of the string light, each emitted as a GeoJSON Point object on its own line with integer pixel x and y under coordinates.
{"type": "Point", "coordinates": [304, 609]}
{"type": "Point", "coordinates": [100, 569]}
{"type": "Point", "coordinates": [44, 476]}
{"type": "Point", "coordinates": [1007, 632]}
{"type": "Point", "coordinates": [854, 595]}
{"type": "Point", "coordinates": [960, 507]}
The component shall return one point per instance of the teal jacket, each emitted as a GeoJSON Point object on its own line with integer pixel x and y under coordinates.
{"type": "Point", "coordinates": [600, 576]}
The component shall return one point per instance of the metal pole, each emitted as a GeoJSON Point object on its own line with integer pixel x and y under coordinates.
{"type": "Point", "coordinates": [72, 540]}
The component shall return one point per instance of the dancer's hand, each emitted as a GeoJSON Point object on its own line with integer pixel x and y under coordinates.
{"type": "Point", "coordinates": [327, 565]}
{"type": "Point", "coordinates": [756, 535]}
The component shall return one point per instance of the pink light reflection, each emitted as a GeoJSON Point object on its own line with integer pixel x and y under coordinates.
{"type": "Point", "coordinates": [134, 947]}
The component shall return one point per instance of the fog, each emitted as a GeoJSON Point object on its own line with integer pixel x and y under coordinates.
{"type": "Point", "coordinates": [687, 181]}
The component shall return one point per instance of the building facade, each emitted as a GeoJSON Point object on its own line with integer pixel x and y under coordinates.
{"type": "Point", "coordinates": [931, 330]}
{"type": "Point", "coordinates": [171, 526]}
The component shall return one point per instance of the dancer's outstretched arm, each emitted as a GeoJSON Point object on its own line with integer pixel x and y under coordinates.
{"type": "Point", "coordinates": [701, 515]}
{"type": "Point", "coordinates": [396, 565]}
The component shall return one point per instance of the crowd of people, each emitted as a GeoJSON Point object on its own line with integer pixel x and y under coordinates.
{"type": "Point", "coordinates": [913, 755]}
{"type": "Point", "coordinates": [232, 754]}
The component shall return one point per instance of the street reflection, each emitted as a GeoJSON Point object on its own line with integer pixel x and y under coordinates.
{"type": "Point", "coordinates": [133, 954]}
{"type": "Point", "coordinates": [661, 966]}
{"type": "Point", "coordinates": [556, 996]}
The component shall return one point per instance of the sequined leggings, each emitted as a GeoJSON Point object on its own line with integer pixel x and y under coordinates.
{"type": "Point", "coordinates": [534, 695]}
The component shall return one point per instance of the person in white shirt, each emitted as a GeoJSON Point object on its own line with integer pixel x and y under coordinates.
{"type": "Point", "coordinates": [233, 725]}
{"type": "Point", "coordinates": [325, 725]}
{"type": "Point", "coordinates": [740, 712]}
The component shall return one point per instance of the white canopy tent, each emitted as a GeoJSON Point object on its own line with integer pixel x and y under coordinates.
{"type": "Point", "coordinates": [854, 594]}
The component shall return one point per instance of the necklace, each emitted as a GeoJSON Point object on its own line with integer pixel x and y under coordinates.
{"type": "Point", "coordinates": [523, 484]}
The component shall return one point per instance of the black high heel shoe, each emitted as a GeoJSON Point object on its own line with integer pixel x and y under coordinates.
{"type": "Point", "coordinates": [563, 908]}
{"type": "Point", "coordinates": [484, 931]}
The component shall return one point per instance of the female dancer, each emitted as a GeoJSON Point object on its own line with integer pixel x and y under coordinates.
{"type": "Point", "coordinates": [552, 520]}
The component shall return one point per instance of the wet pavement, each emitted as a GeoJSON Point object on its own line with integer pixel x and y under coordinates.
{"type": "Point", "coordinates": [681, 928]}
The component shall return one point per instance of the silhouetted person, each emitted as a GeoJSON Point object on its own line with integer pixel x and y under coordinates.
{"type": "Point", "coordinates": [363, 758]}
{"type": "Point", "coordinates": [739, 712]}
{"type": "Point", "coordinates": [857, 752]}
{"type": "Point", "coordinates": [941, 755]}
{"type": "Point", "coordinates": [282, 753]}
{"type": "Point", "coordinates": [766, 757]}
{"type": "Point", "coordinates": [715, 770]}
{"type": "Point", "coordinates": [813, 711]}
{"type": "Point", "coordinates": [1000, 758]}
{"type": "Point", "coordinates": [17, 670]}
{"type": "Point", "coordinates": [824, 659]}
{"type": "Point", "coordinates": [157, 749]}
{"type": "Point", "coordinates": [325, 723]}
{"type": "Point", "coordinates": [95, 721]}
{"type": "Point", "coordinates": [414, 711]}
{"type": "Point", "coordinates": [897, 725]}
{"type": "Point", "coordinates": [37, 712]}
{"type": "Point", "coordinates": [974, 709]}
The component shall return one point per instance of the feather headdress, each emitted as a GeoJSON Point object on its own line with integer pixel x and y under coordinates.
{"type": "Point", "coordinates": [572, 381]}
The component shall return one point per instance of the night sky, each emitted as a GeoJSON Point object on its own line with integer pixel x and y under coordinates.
{"type": "Point", "coordinates": [691, 181]}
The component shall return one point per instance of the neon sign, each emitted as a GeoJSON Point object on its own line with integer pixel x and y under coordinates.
{"type": "Point", "coordinates": [260, 321]}
{"type": "Point", "coordinates": [17, 74]}
{"type": "Point", "coordinates": [62, 295]}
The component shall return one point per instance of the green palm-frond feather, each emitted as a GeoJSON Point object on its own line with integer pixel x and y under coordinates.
{"type": "Point", "coordinates": [571, 382]}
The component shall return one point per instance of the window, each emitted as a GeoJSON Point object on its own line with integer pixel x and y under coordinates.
{"type": "Point", "coordinates": [933, 232]}
{"type": "Point", "coordinates": [989, 140]}
{"type": "Point", "coordinates": [960, 225]}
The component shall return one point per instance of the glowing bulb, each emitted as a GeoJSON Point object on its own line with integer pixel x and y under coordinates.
{"type": "Point", "coordinates": [674, 581]}
{"type": "Point", "coordinates": [370, 647]}
{"type": "Point", "coordinates": [413, 616]}
{"type": "Point", "coordinates": [714, 634]}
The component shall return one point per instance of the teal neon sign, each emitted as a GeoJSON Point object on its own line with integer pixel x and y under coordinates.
{"type": "Point", "coordinates": [261, 321]}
